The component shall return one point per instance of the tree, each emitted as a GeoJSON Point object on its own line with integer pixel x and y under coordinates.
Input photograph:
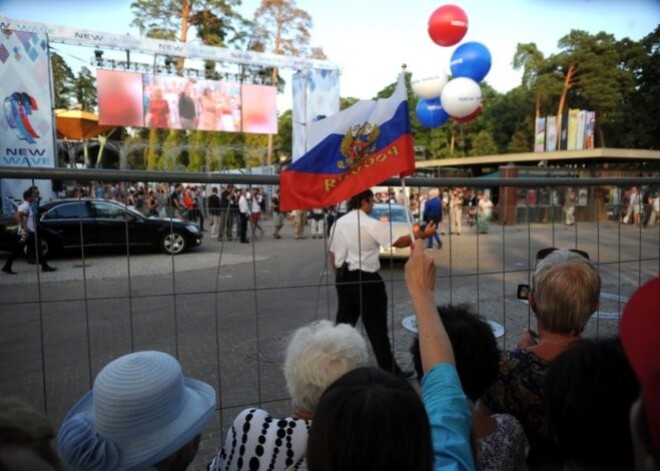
{"type": "Point", "coordinates": [282, 28]}
{"type": "Point", "coordinates": [86, 90]}
{"type": "Point", "coordinates": [482, 144]}
{"type": "Point", "coordinates": [537, 75]}
{"type": "Point", "coordinates": [638, 122]}
{"type": "Point", "coordinates": [284, 141]}
{"type": "Point", "coordinates": [63, 82]}
{"type": "Point", "coordinates": [172, 20]}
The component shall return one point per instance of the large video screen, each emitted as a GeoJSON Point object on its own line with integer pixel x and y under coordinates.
{"type": "Point", "coordinates": [259, 109]}
{"type": "Point", "coordinates": [130, 99]}
{"type": "Point", "coordinates": [120, 98]}
{"type": "Point", "coordinates": [184, 103]}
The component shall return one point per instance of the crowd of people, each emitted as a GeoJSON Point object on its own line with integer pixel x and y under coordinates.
{"type": "Point", "coordinates": [556, 401]}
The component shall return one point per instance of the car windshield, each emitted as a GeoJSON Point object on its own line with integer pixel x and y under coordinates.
{"type": "Point", "coordinates": [388, 213]}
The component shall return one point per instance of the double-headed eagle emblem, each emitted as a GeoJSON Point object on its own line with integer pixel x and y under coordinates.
{"type": "Point", "coordinates": [358, 143]}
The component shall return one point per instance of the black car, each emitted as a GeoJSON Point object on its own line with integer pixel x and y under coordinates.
{"type": "Point", "coordinates": [102, 224]}
{"type": "Point", "coordinates": [8, 225]}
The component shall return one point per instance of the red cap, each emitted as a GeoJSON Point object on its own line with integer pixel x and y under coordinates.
{"type": "Point", "coordinates": [640, 335]}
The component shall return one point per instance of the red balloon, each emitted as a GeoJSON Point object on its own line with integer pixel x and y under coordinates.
{"type": "Point", "coordinates": [470, 117]}
{"type": "Point", "coordinates": [447, 25]}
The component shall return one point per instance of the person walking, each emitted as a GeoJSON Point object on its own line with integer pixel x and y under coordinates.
{"type": "Point", "coordinates": [227, 203]}
{"type": "Point", "coordinates": [214, 212]}
{"type": "Point", "coordinates": [433, 212]}
{"type": "Point", "coordinates": [355, 242]}
{"type": "Point", "coordinates": [26, 216]}
{"type": "Point", "coordinates": [244, 214]}
{"type": "Point", "coordinates": [278, 216]}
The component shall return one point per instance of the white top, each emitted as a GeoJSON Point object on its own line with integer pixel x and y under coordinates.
{"type": "Point", "coordinates": [257, 440]}
{"type": "Point", "coordinates": [26, 209]}
{"type": "Point", "coordinates": [243, 206]}
{"type": "Point", "coordinates": [256, 207]}
{"type": "Point", "coordinates": [360, 253]}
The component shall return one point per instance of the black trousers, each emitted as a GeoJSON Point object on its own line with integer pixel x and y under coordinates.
{"type": "Point", "coordinates": [242, 229]}
{"type": "Point", "coordinates": [363, 293]}
{"type": "Point", "coordinates": [33, 242]}
{"type": "Point", "coordinates": [16, 252]}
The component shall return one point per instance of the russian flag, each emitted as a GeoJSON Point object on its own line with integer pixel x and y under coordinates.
{"type": "Point", "coordinates": [351, 151]}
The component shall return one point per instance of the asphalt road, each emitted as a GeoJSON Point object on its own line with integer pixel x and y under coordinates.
{"type": "Point", "coordinates": [226, 309]}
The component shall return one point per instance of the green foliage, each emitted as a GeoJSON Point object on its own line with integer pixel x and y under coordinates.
{"type": "Point", "coordinates": [283, 28]}
{"type": "Point", "coordinates": [483, 144]}
{"type": "Point", "coordinates": [284, 138]}
{"type": "Point", "coordinates": [86, 89]}
{"type": "Point", "coordinates": [63, 82]}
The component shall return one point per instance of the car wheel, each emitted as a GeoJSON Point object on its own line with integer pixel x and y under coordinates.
{"type": "Point", "coordinates": [173, 243]}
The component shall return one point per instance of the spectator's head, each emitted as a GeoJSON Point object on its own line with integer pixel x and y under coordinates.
{"type": "Point", "coordinates": [588, 393]}
{"type": "Point", "coordinates": [475, 349]}
{"type": "Point", "coordinates": [434, 193]}
{"type": "Point", "coordinates": [565, 291]}
{"type": "Point", "coordinates": [640, 336]}
{"type": "Point", "coordinates": [358, 200]}
{"type": "Point", "coordinates": [317, 355]}
{"type": "Point", "coordinates": [370, 419]}
{"type": "Point", "coordinates": [26, 438]}
{"type": "Point", "coordinates": [142, 412]}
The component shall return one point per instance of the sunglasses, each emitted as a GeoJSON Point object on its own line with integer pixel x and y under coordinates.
{"type": "Point", "coordinates": [523, 290]}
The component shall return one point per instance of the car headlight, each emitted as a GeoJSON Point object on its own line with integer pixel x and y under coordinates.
{"type": "Point", "coordinates": [192, 228]}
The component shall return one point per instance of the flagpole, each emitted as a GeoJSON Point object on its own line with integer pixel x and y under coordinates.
{"type": "Point", "coordinates": [406, 200]}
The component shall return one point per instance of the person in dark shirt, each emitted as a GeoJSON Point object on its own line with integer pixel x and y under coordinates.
{"type": "Point", "coordinates": [214, 212]}
{"type": "Point", "coordinates": [187, 110]}
{"type": "Point", "coordinates": [227, 203]}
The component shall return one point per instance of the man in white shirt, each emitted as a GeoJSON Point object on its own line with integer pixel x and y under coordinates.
{"type": "Point", "coordinates": [244, 214]}
{"type": "Point", "coordinates": [26, 216]}
{"type": "Point", "coordinates": [355, 241]}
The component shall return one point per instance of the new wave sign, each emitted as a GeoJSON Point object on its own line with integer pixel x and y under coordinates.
{"type": "Point", "coordinates": [26, 120]}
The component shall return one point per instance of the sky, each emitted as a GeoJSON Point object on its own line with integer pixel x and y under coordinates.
{"type": "Point", "coordinates": [371, 39]}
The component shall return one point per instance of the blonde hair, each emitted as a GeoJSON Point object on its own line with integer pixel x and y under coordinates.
{"type": "Point", "coordinates": [566, 291]}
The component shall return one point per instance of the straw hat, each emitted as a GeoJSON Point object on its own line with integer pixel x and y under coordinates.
{"type": "Point", "coordinates": [140, 411]}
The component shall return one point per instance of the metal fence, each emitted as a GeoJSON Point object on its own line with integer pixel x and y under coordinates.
{"type": "Point", "coordinates": [225, 309]}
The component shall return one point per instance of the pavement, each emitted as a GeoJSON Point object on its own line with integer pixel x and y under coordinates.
{"type": "Point", "coordinates": [226, 309]}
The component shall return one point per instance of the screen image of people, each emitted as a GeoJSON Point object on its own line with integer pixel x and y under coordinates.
{"type": "Point", "coordinates": [185, 103]}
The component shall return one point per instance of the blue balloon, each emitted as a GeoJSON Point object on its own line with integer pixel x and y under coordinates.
{"type": "Point", "coordinates": [430, 113]}
{"type": "Point", "coordinates": [471, 60]}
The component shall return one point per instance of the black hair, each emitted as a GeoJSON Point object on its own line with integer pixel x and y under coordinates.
{"type": "Point", "coordinates": [370, 419]}
{"type": "Point", "coordinates": [356, 201]}
{"type": "Point", "coordinates": [588, 392]}
{"type": "Point", "coordinates": [475, 349]}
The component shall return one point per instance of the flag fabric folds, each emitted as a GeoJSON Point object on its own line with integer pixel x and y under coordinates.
{"type": "Point", "coordinates": [351, 151]}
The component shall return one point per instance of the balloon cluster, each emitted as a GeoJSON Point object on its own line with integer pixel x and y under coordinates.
{"type": "Point", "coordinates": [460, 97]}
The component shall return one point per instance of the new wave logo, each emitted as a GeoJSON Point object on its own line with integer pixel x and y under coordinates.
{"type": "Point", "coordinates": [18, 107]}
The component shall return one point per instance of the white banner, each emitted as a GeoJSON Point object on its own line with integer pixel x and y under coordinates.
{"type": "Point", "coordinates": [315, 96]}
{"type": "Point", "coordinates": [26, 122]}
{"type": "Point", "coordinates": [160, 46]}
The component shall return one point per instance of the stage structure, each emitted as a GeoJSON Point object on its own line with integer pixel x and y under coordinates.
{"type": "Point", "coordinates": [307, 93]}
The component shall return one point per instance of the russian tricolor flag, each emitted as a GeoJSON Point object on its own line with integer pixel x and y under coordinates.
{"type": "Point", "coordinates": [351, 151]}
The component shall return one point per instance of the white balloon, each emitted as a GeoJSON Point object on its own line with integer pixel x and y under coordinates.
{"type": "Point", "coordinates": [428, 86]}
{"type": "Point", "coordinates": [460, 97]}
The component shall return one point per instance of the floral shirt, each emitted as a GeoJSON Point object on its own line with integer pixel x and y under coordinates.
{"type": "Point", "coordinates": [518, 391]}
